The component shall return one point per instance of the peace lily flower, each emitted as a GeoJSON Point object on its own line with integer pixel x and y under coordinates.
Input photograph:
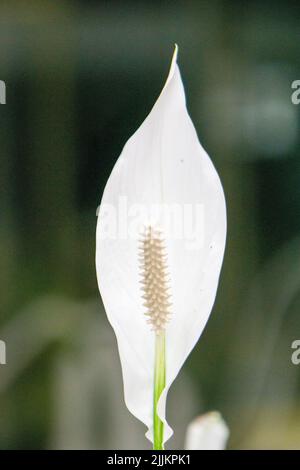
{"type": "Point", "coordinates": [207, 432]}
{"type": "Point", "coordinates": [158, 281]}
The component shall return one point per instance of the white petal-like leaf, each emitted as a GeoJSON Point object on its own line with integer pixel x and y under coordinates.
{"type": "Point", "coordinates": [162, 168]}
{"type": "Point", "coordinates": [207, 432]}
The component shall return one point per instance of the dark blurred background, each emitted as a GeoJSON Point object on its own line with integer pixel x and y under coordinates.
{"type": "Point", "coordinates": [81, 76]}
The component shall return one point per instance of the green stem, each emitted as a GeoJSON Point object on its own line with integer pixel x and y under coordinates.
{"type": "Point", "coordinates": [159, 385]}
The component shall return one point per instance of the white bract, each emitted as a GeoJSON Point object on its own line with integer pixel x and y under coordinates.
{"type": "Point", "coordinates": [145, 264]}
{"type": "Point", "coordinates": [207, 432]}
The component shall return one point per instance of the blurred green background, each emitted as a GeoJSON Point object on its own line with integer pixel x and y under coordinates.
{"type": "Point", "coordinates": [81, 76]}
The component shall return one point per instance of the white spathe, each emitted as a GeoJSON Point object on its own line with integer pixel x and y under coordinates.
{"type": "Point", "coordinates": [162, 164]}
{"type": "Point", "coordinates": [207, 432]}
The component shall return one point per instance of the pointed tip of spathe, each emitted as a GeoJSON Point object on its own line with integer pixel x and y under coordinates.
{"type": "Point", "coordinates": [175, 53]}
{"type": "Point", "coordinates": [173, 64]}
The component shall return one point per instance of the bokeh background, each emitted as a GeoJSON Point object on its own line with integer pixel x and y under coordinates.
{"type": "Point", "coordinates": [81, 76]}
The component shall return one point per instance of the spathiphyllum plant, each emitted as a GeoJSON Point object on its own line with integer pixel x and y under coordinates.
{"type": "Point", "coordinates": [160, 243]}
{"type": "Point", "coordinates": [207, 432]}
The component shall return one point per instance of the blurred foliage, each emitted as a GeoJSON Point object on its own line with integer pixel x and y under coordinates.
{"type": "Point", "coordinates": [81, 76]}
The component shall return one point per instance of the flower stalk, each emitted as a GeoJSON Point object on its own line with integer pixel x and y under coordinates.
{"type": "Point", "coordinates": [159, 385]}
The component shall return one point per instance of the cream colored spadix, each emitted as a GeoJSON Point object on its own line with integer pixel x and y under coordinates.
{"type": "Point", "coordinates": [147, 268]}
{"type": "Point", "coordinates": [154, 279]}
